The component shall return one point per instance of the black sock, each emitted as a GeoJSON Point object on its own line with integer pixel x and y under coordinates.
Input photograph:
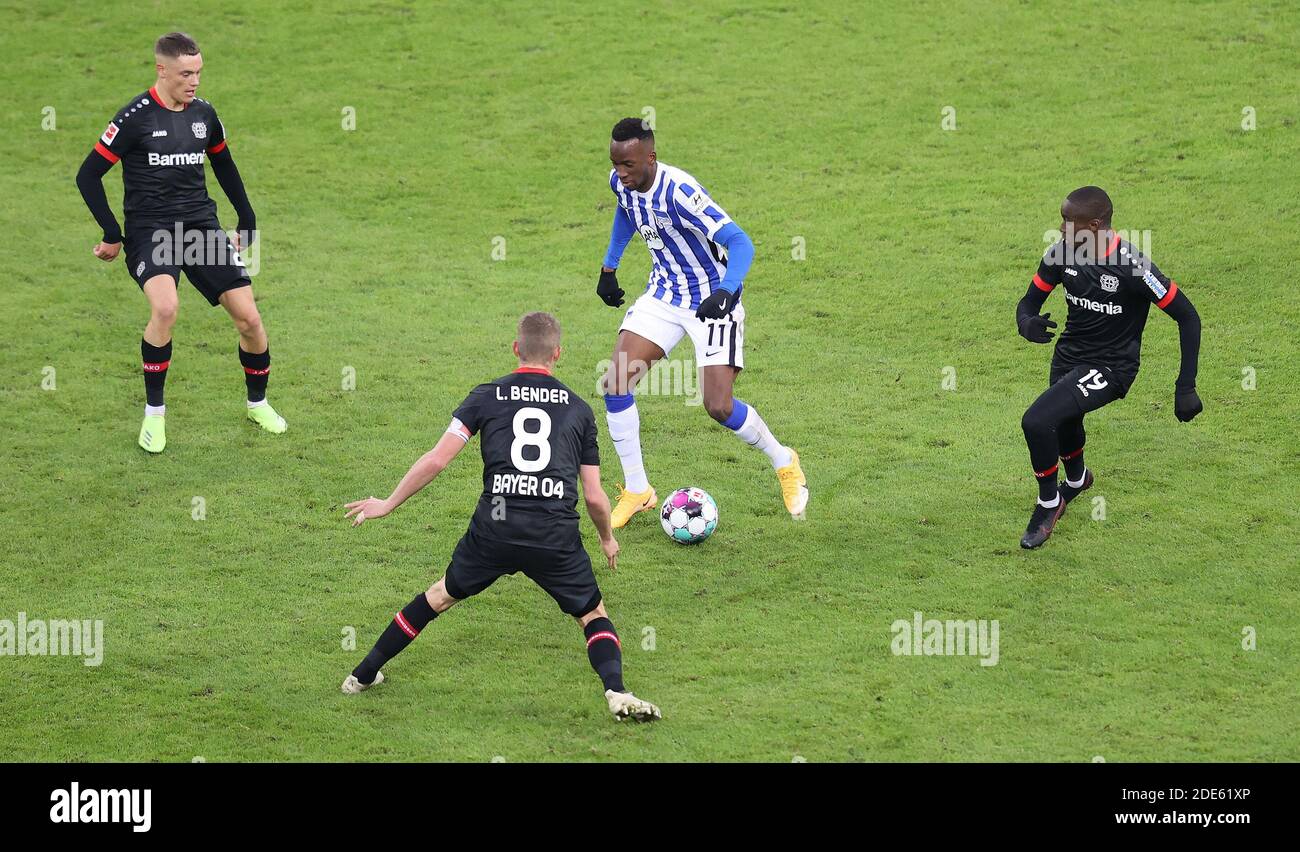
{"type": "Point", "coordinates": [257, 371]}
{"type": "Point", "coordinates": [406, 625]}
{"type": "Point", "coordinates": [156, 359]}
{"type": "Point", "coordinates": [1074, 466]}
{"type": "Point", "coordinates": [605, 652]}
{"type": "Point", "coordinates": [1047, 487]}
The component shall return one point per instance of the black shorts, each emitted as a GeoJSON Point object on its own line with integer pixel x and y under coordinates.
{"type": "Point", "coordinates": [1091, 387]}
{"type": "Point", "coordinates": [565, 575]}
{"type": "Point", "coordinates": [203, 251]}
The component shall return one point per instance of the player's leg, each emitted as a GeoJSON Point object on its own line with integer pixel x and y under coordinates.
{"type": "Point", "coordinates": [475, 564]}
{"type": "Point", "coordinates": [156, 355]}
{"type": "Point", "coordinates": [223, 280]}
{"type": "Point", "coordinates": [605, 653]}
{"type": "Point", "coordinates": [1074, 394]}
{"type": "Point", "coordinates": [401, 631]}
{"type": "Point", "coordinates": [719, 351]}
{"type": "Point", "coordinates": [1078, 478]}
{"type": "Point", "coordinates": [649, 331]}
{"type": "Point", "coordinates": [567, 577]}
{"type": "Point", "coordinates": [254, 355]}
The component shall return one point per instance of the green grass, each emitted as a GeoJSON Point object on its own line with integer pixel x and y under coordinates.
{"type": "Point", "coordinates": [1121, 638]}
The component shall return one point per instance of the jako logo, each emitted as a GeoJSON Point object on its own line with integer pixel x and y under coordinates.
{"type": "Point", "coordinates": [951, 638]}
{"type": "Point", "coordinates": [91, 805]}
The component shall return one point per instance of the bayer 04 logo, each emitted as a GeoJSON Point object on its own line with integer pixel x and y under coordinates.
{"type": "Point", "coordinates": [689, 515]}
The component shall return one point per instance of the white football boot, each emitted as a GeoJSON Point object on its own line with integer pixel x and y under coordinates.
{"type": "Point", "coordinates": [351, 686]}
{"type": "Point", "coordinates": [625, 705]}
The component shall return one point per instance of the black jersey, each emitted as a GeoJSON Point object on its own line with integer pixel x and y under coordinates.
{"type": "Point", "coordinates": [1108, 302]}
{"type": "Point", "coordinates": [162, 153]}
{"type": "Point", "coordinates": [534, 433]}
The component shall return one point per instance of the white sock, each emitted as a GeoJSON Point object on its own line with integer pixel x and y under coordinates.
{"type": "Point", "coordinates": [1051, 505]}
{"type": "Point", "coordinates": [151, 410]}
{"type": "Point", "coordinates": [1070, 482]}
{"type": "Point", "coordinates": [625, 431]}
{"type": "Point", "coordinates": [257, 404]}
{"type": "Point", "coordinates": [754, 432]}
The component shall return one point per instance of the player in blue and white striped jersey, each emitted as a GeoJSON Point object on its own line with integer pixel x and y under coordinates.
{"type": "Point", "coordinates": [699, 258]}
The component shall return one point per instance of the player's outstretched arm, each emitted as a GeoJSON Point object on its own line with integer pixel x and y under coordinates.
{"type": "Point", "coordinates": [223, 166]}
{"type": "Point", "coordinates": [421, 474]}
{"type": "Point", "coordinates": [90, 180]}
{"type": "Point", "coordinates": [1186, 402]}
{"type": "Point", "coordinates": [593, 493]}
{"type": "Point", "coordinates": [1032, 326]}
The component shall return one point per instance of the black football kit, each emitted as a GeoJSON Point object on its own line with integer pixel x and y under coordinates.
{"type": "Point", "coordinates": [1097, 357]}
{"type": "Point", "coordinates": [534, 434]}
{"type": "Point", "coordinates": [171, 221]}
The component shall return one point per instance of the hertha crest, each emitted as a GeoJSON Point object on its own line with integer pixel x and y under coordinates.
{"type": "Point", "coordinates": [200, 130]}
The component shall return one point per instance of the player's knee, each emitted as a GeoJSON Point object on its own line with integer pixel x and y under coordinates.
{"type": "Point", "coordinates": [438, 598]}
{"type": "Point", "coordinates": [1034, 423]}
{"type": "Point", "coordinates": [249, 324]}
{"type": "Point", "coordinates": [596, 612]}
{"type": "Point", "coordinates": [163, 311]}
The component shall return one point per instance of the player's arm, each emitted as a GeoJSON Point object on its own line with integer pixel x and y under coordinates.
{"type": "Point", "coordinates": [1032, 326]}
{"type": "Point", "coordinates": [223, 166]}
{"type": "Point", "coordinates": [593, 494]}
{"type": "Point", "coordinates": [620, 234]}
{"type": "Point", "coordinates": [425, 469]}
{"type": "Point", "coordinates": [90, 181]}
{"type": "Point", "coordinates": [1169, 298]}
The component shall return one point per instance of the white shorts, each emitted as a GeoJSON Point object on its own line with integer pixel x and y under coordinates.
{"type": "Point", "coordinates": [717, 342]}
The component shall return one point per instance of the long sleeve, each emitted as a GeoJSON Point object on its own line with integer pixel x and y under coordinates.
{"type": "Point", "coordinates": [90, 180]}
{"type": "Point", "coordinates": [620, 234]}
{"type": "Point", "coordinates": [1189, 338]}
{"type": "Point", "coordinates": [740, 255]}
{"type": "Point", "coordinates": [223, 166]}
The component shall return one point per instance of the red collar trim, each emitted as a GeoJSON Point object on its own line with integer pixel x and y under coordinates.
{"type": "Point", "coordinates": [153, 93]}
{"type": "Point", "coordinates": [542, 370]}
{"type": "Point", "coordinates": [1114, 241]}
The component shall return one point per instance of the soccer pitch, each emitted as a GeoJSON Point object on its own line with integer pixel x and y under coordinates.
{"type": "Point", "coordinates": [423, 175]}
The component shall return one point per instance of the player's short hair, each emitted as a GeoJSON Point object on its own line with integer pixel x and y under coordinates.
{"type": "Point", "coordinates": [539, 334]}
{"type": "Point", "coordinates": [1093, 201]}
{"type": "Point", "coordinates": [173, 45]}
{"type": "Point", "coordinates": [632, 128]}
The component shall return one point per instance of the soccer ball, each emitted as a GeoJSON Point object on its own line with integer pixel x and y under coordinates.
{"type": "Point", "coordinates": [689, 515]}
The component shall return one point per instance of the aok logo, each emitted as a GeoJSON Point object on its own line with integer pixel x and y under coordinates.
{"type": "Point", "coordinates": [651, 237]}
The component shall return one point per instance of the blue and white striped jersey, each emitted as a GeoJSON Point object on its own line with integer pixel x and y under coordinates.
{"type": "Point", "coordinates": [678, 221]}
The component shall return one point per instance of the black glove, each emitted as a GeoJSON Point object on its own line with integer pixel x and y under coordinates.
{"type": "Point", "coordinates": [716, 306]}
{"type": "Point", "coordinates": [1186, 404]}
{"type": "Point", "coordinates": [1035, 328]}
{"type": "Point", "coordinates": [608, 290]}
